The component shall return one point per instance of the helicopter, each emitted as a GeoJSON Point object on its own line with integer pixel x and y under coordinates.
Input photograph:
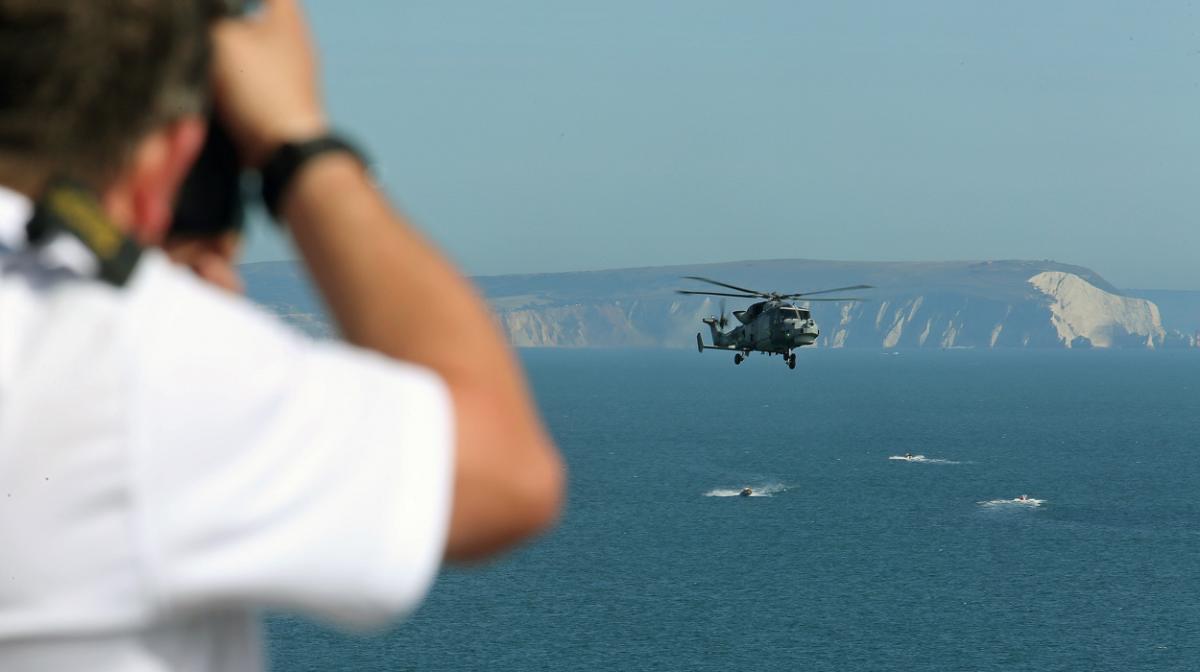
{"type": "Point", "coordinates": [774, 326]}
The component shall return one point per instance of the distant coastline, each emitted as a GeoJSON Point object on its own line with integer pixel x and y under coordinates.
{"type": "Point", "coordinates": [926, 305]}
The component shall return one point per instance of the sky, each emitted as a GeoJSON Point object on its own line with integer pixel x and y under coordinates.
{"type": "Point", "coordinates": [533, 136]}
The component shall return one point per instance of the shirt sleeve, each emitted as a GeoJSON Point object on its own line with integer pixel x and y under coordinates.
{"type": "Point", "coordinates": [276, 471]}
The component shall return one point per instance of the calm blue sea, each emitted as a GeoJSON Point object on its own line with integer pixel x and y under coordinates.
{"type": "Point", "coordinates": [850, 561]}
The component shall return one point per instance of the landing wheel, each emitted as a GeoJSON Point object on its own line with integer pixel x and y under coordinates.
{"type": "Point", "coordinates": [791, 361]}
{"type": "Point", "coordinates": [737, 359]}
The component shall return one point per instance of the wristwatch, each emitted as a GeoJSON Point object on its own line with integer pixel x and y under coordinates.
{"type": "Point", "coordinates": [283, 164]}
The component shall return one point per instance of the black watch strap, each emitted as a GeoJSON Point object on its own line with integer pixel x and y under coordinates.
{"type": "Point", "coordinates": [286, 160]}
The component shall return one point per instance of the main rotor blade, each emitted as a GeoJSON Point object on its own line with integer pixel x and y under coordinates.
{"type": "Point", "coordinates": [848, 298]}
{"type": "Point", "coordinates": [826, 291]}
{"type": "Point", "coordinates": [740, 296]}
{"type": "Point", "coordinates": [724, 284]}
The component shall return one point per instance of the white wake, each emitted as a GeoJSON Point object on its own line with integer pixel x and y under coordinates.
{"type": "Point", "coordinates": [922, 459]}
{"type": "Point", "coordinates": [1014, 502]}
{"type": "Point", "coordinates": [765, 490]}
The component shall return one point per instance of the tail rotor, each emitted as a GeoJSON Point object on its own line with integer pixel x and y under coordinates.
{"type": "Point", "coordinates": [716, 326]}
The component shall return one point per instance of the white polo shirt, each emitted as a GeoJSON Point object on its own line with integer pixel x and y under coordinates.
{"type": "Point", "coordinates": [173, 459]}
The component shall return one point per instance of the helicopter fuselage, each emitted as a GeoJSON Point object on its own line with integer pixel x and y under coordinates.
{"type": "Point", "coordinates": [774, 327]}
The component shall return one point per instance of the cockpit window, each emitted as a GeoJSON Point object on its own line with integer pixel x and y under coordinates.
{"type": "Point", "coordinates": [793, 313]}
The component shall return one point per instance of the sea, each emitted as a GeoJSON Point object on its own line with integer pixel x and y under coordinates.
{"type": "Point", "coordinates": [844, 559]}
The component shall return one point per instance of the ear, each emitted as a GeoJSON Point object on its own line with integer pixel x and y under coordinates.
{"type": "Point", "coordinates": [159, 164]}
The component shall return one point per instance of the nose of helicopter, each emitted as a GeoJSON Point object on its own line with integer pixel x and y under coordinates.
{"type": "Point", "coordinates": [802, 332]}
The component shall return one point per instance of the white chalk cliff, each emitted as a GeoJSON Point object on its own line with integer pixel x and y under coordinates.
{"type": "Point", "coordinates": [1084, 314]}
{"type": "Point", "coordinates": [962, 304]}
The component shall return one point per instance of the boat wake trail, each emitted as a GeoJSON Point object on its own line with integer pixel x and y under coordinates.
{"type": "Point", "coordinates": [922, 459]}
{"type": "Point", "coordinates": [765, 490]}
{"type": "Point", "coordinates": [1014, 503]}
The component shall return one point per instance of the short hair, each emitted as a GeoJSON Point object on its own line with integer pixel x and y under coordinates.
{"type": "Point", "coordinates": [81, 81]}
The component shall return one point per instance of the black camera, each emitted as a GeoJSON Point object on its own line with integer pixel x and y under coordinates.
{"type": "Point", "coordinates": [210, 201]}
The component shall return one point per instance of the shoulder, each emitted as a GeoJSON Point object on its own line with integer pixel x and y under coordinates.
{"type": "Point", "coordinates": [339, 460]}
{"type": "Point", "coordinates": [171, 307]}
{"type": "Point", "coordinates": [200, 347]}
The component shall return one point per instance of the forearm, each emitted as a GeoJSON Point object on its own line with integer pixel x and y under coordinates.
{"type": "Point", "coordinates": [388, 288]}
{"type": "Point", "coordinates": [391, 291]}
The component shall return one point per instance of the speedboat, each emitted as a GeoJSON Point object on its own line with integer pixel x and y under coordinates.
{"type": "Point", "coordinates": [908, 457]}
{"type": "Point", "coordinates": [746, 492]}
{"type": "Point", "coordinates": [1023, 500]}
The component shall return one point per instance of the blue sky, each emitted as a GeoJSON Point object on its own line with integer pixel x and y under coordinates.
{"type": "Point", "coordinates": [537, 135]}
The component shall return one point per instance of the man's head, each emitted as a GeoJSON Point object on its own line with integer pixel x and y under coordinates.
{"type": "Point", "coordinates": [107, 92]}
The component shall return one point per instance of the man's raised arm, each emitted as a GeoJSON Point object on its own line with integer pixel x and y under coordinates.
{"type": "Point", "coordinates": [386, 285]}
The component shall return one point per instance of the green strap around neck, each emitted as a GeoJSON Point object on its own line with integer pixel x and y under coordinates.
{"type": "Point", "coordinates": [67, 207]}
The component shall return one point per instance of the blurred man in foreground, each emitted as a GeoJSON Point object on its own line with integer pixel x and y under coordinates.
{"type": "Point", "coordinates": [171, 458]}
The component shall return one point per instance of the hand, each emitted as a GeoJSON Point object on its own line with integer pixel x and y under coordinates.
{"type": "Point", "coordinates": [211, 258]}
{"type": "Point", "coordinates": [265, 80]}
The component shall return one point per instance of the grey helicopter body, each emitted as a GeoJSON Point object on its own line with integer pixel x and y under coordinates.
{"type": "Point", "coordinates": [774, 326]}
